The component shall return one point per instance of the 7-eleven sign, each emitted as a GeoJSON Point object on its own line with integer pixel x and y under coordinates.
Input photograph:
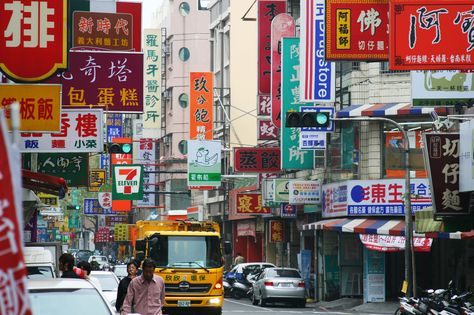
{"type": "Point", "coordinates": [127, 182]}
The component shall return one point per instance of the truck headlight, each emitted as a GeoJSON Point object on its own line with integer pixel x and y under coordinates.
{"type": "Point", "coordinates": [214, 301]}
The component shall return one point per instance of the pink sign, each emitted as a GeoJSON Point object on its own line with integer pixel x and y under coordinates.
{"type": "Point", "coordinates": [390, 243]}
{"type": "Point", "coordinates": [14, 294]}
{"type": "Point", "coordinates": [264, 105]}
{"type": "Point", "coordinates": [267, 10]}
{"type": "Point", "coordinates": [283, 25]}
{"type": "Point", "coordinates": [266, 130]}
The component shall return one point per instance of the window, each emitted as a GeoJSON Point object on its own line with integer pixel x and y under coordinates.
{"type": "Point", "coordinates": [184, 54]}
{"type": "Point", "coordinates": [384, 68]}
{"type": "Point", "coordinates": [183, 100]}
{"type": "Point", "coordinates": [184, 8]}
{"type": "Point", "coordinates": [183, 147]}
{"type": "Point", "coordinates": [203, 4]}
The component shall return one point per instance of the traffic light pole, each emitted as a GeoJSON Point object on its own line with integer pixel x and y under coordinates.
{"type": "Point", "coordinates": [410, 271]}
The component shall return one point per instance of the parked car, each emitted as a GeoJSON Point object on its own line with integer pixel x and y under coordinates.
{"type": "Point", "coordinates": [279, 285]}
{"type": "Point", "coordinates": [102, 261]}
{"type": "Point", "coordinates": [120, 271]}
{"type": "Point", "coordinates": [39, 263]}
{"type": "Point", "coordinates": [108, 284]}
{"type": "Point", "coordinates": [242, 270]}
{"type": "Point", "coordinates": [71, 296]}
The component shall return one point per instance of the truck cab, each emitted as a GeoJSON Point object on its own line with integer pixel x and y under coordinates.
{"type": "Point", "coordinates": [39, 263]}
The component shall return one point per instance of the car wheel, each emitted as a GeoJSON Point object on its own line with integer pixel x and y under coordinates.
{"type": "Point", "coordinates": [253, 299]}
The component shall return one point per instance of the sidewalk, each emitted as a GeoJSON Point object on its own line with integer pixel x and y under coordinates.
{"type": "Point", "coordinates": [355, 305]}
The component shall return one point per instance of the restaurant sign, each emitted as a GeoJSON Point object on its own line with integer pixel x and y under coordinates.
{"type": "Point", "coordinates": [257, 160]}
{"type": "Point", "coordinates": [250, 203]}
{"type": "Point", "coordinates": [431, 35]}
{"type": "Point", "coordinates": [266, 129]}
{"type": "Point", "coordinates": [357, 30]}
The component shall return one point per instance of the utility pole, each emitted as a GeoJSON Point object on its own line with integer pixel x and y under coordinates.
{"type": "Point", "coordinates": [410, 274]}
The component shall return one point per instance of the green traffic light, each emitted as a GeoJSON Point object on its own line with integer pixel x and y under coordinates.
{"type": "Point", "coordinates": [321, 118]}
{"type": "Point", "coordinates": [126, 148]}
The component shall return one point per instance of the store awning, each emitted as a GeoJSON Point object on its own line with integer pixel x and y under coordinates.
{"type": "Point", "coordinates": [388, 109]}
{"type": "Point", "coordinates": [378, 226]}
{"type": "Point", "coordinates": [40, 182]}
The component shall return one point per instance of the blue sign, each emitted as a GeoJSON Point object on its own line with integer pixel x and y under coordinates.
{"type": "Point", "coordinates": [92, 206]}
{"type": "Point", "coordinates": [104, 161]}
{"type": "Point", "coordinates": [287, 211]}
{"type": "Point", "coordinates": [113, 132]}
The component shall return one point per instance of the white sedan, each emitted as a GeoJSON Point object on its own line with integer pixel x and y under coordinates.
{"type": "Point", "coordinates": [71, 296]}
{"type": "Point", "coordinates": [108, 284]}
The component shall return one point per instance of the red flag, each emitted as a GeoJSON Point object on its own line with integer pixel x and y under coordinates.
{"type": "Point", "coordinates": [13, 276]}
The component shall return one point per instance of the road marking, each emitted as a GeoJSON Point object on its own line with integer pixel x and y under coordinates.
{"type": "Point", "coordinates": [253, 306]}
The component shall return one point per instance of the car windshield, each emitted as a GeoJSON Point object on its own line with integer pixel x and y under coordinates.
{"type": "Point", "coordinates": [186, 251]}
{"type": "Point", "coordinates": [107, 282]}
{"type": "Point", "coordinates": [284, 273]}
{"type": "Point", "coordinates": [40, 272]}
{"type": "Point", "coordinates": [83, 255]}
{"type": "Point", "coordinates": [70, 301]}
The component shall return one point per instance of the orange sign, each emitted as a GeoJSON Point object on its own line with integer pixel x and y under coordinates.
{"type": "Point", "coordinates": [277, 231]}
{"type": "Point", "coordinates": [200, 105]}
{"type": "Point", "coordinates": [40, 105]}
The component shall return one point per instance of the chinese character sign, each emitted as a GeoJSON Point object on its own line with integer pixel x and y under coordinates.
{"type": "Point", "coordinates": [283, 25]}
{"type": "Point", "coordinates": [81, 131]}
{"type": "Point", "coordinates": [92, 206]}
{"type": "Point", "coordinates": [257, 160]}
{"type": "Point", "coordinates": [201, 106]}
{"type": "Point", "coordinates": [102, 31]}
{"type": "Point", "coordinates": [277, 231]}
{"type": "Point", "coordinates": [13, 290]}
{"type": "Point", "coordinates": [204, 163]}
{"type": "Point", "coordinates": [432, 35]}
{"type": "Point", "coordinates": [334, 199]}
{"type": "Point", "coordinates": [114, 126]}
{"type": "Point", "coordinates": [112, 81]}
{"type": "Point", "coordinates": [291, 156]}
{"type": "Point", "coordinates": [147, 157]}
{"type": "Point", "coordinates": [33, 33]}
{"type": "Point", "coordinates": [357, 30]}
{"type": "Point", "coordinates": [318, 76]}
{"type": "Point", "coordinates": [266, 130]}
{"type": "Point", "coordinates": [386, 196]}
{"type": "Point", "coordinates": [152, 72]}
{"type": "Point", "coordinates": [40, 105]}
{"type": "Point", "coordinates": [73, 167]}
{"type": "Point", "coordinates": [442, 154]}
{"type": "Point", "coordinates": [267, 11]}
{"type": "Point", "coordinates": [96, 179]}
{"type": "Point", "coordinates": [264, 105]}
{"type": "Point", "coordinates": [250, 203]}
{"type": "Point", "coordinates": [304, 192]}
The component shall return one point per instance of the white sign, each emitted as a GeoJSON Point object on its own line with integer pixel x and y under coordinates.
{"type": "Point", "coordinates": [152, 78]}
{"type": "Point", "coordinates": [466, 171]}
{"type": "Point", "coordinates": [105, 199]}
{"type": "Point", "coordinates": [311, 140]}
{"type": "Point", "coordinates": [268, 190]}
{"type": "Point", "coordinates": [81, 131]}
{"type": "Point", "coordinates": [305, 192]}
{"type": "Point", "coordinates": [146, 155]}
{"type": "Point", "coordinates": [246, 228]}
{"type": "Point", "coordinates": [334, 200]}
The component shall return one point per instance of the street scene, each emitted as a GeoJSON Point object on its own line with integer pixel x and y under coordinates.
{"type": "Point", "coordinates": [225, 157]}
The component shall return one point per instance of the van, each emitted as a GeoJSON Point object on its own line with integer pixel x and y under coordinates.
{"type": "Point", "coordinates": [39, 263]}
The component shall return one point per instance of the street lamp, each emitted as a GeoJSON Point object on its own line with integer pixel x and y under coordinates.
{"type": "Point", "coordinates": [410, 273]}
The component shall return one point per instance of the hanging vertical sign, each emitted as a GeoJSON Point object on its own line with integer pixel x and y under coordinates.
{"type": "Point", "coordinates": [147, 157]}
{"type": "Point", "coordinates": [152, 78]}
{"type": "Point", "coordinates": [204, 163]}
{"type": "Point", "coordinates": [318, 76]}
{"type": "Point", "coordinates": [264, 105]}
{"type": "Point", "coordinates": [291, 156]}
{"type": "Point", "coordinates": [277, 232]}
{"type": "Point", "coordinates": [283, 25]}
{"type": "Point", "coordinates": [127, 182]}
{"type": "Point", "coordinates": [267, 10]}
{"type": "Point", "coordinates": [201, 105]}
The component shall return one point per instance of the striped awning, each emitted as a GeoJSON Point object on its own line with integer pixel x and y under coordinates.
{"type": "Point", "coordinates": [388, 109]}
{"type": "Point", "coordinates": [377, 226]}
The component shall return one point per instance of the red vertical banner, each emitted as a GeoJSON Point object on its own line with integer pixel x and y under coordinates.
{"type": "Point", "coordinates": [277, 231]}
{"type": "Point", "coordinates": [283, 25]}
{"type": "Point", "coordinates": [267, 10]}
{"type": "Point", "coordinates": [13, 292]}
{"type": "Point", "coordinates": [201, 105]}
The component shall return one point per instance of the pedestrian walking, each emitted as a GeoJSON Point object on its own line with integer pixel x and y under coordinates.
{"type": "Point", "coordinates": [239, 259]}
{"type": "Point", "coordinates": [66, 265]}
{"type": "Point", "coordinates": [132, 268]}
{"type": "Point", "coordinates": [146, 293]}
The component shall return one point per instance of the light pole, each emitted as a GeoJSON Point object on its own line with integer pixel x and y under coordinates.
{"type": "Point", "coordinates": [410, 273]}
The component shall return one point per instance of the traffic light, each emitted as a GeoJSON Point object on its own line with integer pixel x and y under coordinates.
{"type": "Point", "coordinates": [120, 146]}
{"type": "Point", "coordinates": [307, 119]}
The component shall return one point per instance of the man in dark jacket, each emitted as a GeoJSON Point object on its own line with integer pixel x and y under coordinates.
{"type": "Point", "coordinates": [132, 268]}
{"type": "Point", "coordinates": [66, 265]}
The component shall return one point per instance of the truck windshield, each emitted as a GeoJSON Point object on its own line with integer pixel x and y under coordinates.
{"type": "Point", "coordinates": [186, 251]}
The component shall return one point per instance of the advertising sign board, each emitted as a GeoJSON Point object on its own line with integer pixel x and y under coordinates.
{"type": "Point", "coordinates": [250, 203]}
{"type": "Point", "coordinates": [204, 163]}
{"type": "Point", "coordinates": [152, 85]}
{"type": "Point", "coordinates": [304, 192]}
{"type": "Point", "coordinates": [257, 160]}
{"type": "Point", "coordinates": [201, 105]}
{"type": "Point", "coordinates": [127, 182]}
{"type": "Point", "coordinates": [334, 200]}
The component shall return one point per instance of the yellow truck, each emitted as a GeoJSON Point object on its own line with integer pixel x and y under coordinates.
{"type": "Point", "coordinates": [188, 256]}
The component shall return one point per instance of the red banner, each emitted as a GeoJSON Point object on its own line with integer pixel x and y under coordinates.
{"type": "Point", "coordinates": [250, 203]}
{"type": "Point", "coordinates": [390, 243]}
{"type": "Point", "coordinates": [264, 105]}
{"type": "Point", "coordinates": [267, 10]}
{"type": "Point", "coordinates": [33, 38]}
{"type": "Point", "coordinates": [277, 232]}
{"type": "Point", "coordinates": [357, 30]}
{"type": "Point", "coordinates": [14, 295]}
{"type": "Point", "coordinates": [257, 160]}
{"type": "Point", "coordinates": [266, 130]}
{"type": "Point", "coordinates": [431, 35]}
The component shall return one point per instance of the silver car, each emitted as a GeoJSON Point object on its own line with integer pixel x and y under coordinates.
{"type": "Point", "coordinates": [279, 285]}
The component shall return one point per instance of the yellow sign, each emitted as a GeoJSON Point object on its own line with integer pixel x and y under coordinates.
{"type": "Point", "coordinates": [40, 105]}
{"type": "Point", "coordinates": [121, 232]}
{"type": "Point", "coordinates": [96, 179]}
{"type": "Point", "coordinates": [343, 29]}
{"type": "Point", "coordinates": [47, 199]}
{"type": "Point", "coordinates": [404, 287]}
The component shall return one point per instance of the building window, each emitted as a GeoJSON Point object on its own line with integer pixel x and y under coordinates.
{"type": "Point", "coordinates": [203, 4]}
{"type": "Point", "coordinates": [384, 68]}
{"type": "Point", "coordinates": [184, 54]}
{"type": "Point", "coordinates": [184, 8]}
{"type": "Point", "coordinates": [183, 100]}
{"type": "Point", "coordinates": [183, 147]}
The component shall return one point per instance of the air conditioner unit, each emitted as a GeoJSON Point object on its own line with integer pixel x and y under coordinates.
{"type": "Point", "coordinates": [167, 94]}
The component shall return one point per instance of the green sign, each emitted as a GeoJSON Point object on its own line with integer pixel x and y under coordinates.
{"type": "Point", "coordinates": [291, 156]}
{"type": "Point", "coordinates": [73, 167]}
{"type": "Point", "coordinates": [127, 182]}
{"type": "Point", "coordinates": [281, 193]}
{"type": "Point", "coordinates": [348, 146]}
{"type": "Point", "coordinates": [204, 163]}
